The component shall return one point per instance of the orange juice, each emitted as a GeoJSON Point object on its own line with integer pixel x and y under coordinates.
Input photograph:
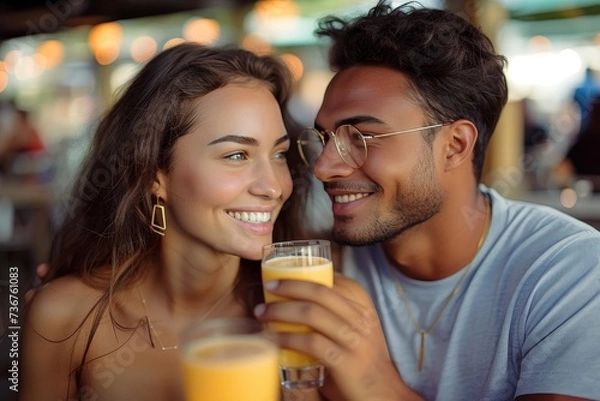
{"type": "Point", "coordinates": [231, 368]}
{"type": "Point", "coordinates": [315, 269]}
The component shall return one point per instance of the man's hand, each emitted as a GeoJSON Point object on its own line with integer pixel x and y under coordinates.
{"type": "Point", "coordinates": [41, 272]}
{"type": "Point", "coordinates": [346, 337]}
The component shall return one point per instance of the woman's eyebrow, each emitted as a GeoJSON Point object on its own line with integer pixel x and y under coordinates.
{"type": "Point", "coordinates": [243, 140]}
{"type": "Point", "coordinates": [246, 140]}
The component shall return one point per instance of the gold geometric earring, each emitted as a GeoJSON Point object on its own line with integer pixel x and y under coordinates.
{"type": "Point", "coordinates": [158, 222]}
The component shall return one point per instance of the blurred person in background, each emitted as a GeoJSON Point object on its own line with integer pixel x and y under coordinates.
{"type": "Point", "coordinates": [582, 159]}
{"type": "Point", "coordinates": [536, 141]}
{"type": "Point", "coordinates": [583, 96]}
{"type": "Point", "coordinates": [23, 162]}
{"type": "Point", "coordinates": [534, 130]}
{"type": "Point", "coordinates": [18, 136]}
{"type": "Point", "coordinates": [585, 152]}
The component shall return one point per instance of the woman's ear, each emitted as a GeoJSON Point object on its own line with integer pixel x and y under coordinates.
{"type": "Point", "coordinates": [461, 137]}
{"type": "Point", "coordinates": [159, 186]}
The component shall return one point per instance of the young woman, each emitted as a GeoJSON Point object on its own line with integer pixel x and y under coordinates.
{"type": "Point", "coordinates": [179, 192]}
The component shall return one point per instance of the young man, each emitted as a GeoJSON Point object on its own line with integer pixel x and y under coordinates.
{"type": "Point", "coordinates": [479, 297]}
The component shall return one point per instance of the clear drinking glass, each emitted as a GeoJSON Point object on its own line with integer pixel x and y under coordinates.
{"type": "Point", "coordinates": [308, 260]}
{"type": "Point", "coordinates": [229, 359]}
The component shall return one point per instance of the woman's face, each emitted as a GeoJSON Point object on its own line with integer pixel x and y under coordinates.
{"type": "Point", "coordinates": [229, 177]}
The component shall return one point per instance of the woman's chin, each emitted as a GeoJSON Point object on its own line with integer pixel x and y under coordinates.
{"type": "Point", "coordinates": [253, 253]}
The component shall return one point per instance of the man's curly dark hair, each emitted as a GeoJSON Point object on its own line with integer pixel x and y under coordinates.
{"type": "Point", "coordinates": [453, 68]}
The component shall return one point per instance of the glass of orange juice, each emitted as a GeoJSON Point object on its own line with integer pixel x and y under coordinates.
{"type": "Point", "coordinates": [308, 260]}
{"type": "Point", "coordinates": [229, 359]}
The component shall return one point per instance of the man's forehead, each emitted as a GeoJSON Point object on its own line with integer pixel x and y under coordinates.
{"type": "Point", "coordinates": [362, 90]}
{"type": "Point", "coordinates": [369, 73]}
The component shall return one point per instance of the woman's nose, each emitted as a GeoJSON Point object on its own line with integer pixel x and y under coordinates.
{"type": "Point", "coordinates": [269, 182]}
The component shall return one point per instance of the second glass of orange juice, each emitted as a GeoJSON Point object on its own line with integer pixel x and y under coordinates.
{"type": "Point", "coordinates": [307, 260]}
{"type": "Point", "coordinates": [229, 359]}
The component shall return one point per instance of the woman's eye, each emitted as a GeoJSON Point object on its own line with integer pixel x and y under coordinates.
{"type": "Point", "coordinates": [236, 156]}
{"type": "Point", "coordinates": [282, 155]}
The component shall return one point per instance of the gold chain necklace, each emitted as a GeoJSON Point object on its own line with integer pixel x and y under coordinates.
{"type": "Point", "coordinates": [423, 333]}
{"type": "Point", "coordinates": [152, 333]}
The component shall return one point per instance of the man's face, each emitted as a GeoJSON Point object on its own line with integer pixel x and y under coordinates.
{"type": "Point", "coordinates": [397, 186]}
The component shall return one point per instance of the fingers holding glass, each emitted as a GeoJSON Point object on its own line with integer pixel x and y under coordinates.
{"type": "Point", "coordinates": [307, 260]}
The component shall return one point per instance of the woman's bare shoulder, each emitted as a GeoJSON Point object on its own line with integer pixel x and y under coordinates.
{"type": "Point", "coordinates": [61, 306]}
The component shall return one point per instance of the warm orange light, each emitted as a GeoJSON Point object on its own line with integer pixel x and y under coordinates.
{"type": "Point", "coordinates": [294, 64]}
{"type": "Point", "coordinates": [106, 55]}
{"type": "Point", "coordinates": [52, 53]}
{"type": "Point", "coordinates": [103, 34]}
{"type": "Point", "coordinates": [257, 44]}
{"type": "Point", "coordinates": [173, 42]}
{"type": "Point", "coordinates": [105, 42]}
{"type": "Point", "coordinates": [266, 9]}
{"type": "Point", "coordinates": [41, 63]}
{"type": "Point", "coordinates": [143, 48]}
{"type": "Point", "coordinates": [202, 30]}
{"type": "Point", "coordinates": [568, 198]}
{"type": "Point", "coordinates": [3, 80]}
{"type": "Point", "coordinates": [540, 43]}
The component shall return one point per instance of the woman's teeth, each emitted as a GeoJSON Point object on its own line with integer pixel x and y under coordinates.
{"type": "Point", "coordinates": [251, 217]}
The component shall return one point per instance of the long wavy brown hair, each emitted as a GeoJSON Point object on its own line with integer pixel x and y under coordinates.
{"type": "Point", "coordinates": [105, 239]}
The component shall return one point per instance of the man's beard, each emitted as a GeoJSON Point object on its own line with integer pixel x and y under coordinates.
{"type": "Point", "coordinates": [412, 206]}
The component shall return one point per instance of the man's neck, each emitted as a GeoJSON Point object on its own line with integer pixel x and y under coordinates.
{"type": "Point", "coordinates": [445, 243]}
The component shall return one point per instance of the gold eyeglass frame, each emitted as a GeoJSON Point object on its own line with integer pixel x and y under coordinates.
{"type": "Point", "coordinates": [342, 152]}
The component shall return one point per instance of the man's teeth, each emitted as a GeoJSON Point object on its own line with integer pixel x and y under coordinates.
{"type": "Point", "coordinates": [348, 198]}
{"type": "Point", "coordinates": [251, 217]}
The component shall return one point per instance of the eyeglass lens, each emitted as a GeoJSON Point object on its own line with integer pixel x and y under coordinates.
{"type": "Point", "coordinates": [310, 146]}
{"type": "Point", "coordinates": [348, 140]}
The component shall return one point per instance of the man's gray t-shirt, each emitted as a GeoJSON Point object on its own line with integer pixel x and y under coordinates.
{"type": "Point", "coordinates": [526, 319]}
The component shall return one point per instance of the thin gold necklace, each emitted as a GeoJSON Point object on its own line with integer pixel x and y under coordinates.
{"type": "Point", "coordinates": [152, 333]}
{"type": "Point", "coordinates": [423, 333]}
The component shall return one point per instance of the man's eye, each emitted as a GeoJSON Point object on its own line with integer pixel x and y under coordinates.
{"type": "Point", "coordinates": [236, 156]}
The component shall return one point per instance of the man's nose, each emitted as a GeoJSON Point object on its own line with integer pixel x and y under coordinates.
{"type": "Point", "coordinates": [330, 165]}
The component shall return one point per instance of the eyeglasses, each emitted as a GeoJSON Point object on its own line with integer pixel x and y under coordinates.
{"type": "Point", "coordinates": [351, 144]}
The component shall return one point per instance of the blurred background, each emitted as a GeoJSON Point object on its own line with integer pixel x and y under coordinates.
{"type": "Point", "coordinates": [63, 61]}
